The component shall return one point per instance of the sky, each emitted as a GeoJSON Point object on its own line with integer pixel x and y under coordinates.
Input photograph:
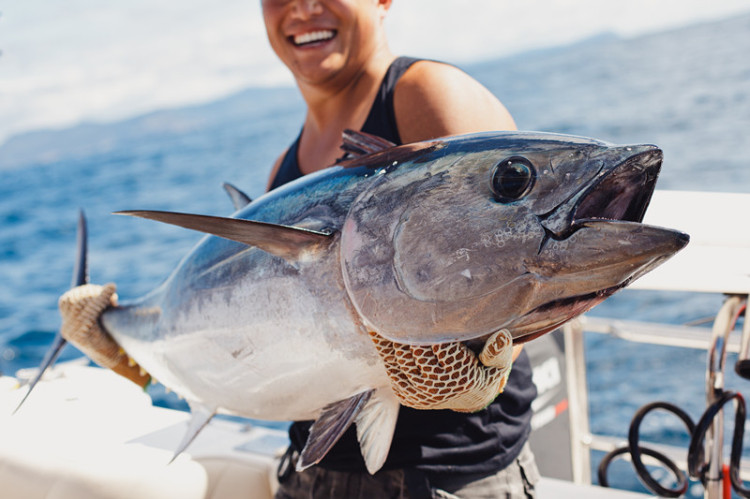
{"type": "Point", "coordinates": [62, 63]}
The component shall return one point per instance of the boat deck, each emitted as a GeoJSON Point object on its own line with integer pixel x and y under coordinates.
{"type": "Point", "coordinates": [86, 433]}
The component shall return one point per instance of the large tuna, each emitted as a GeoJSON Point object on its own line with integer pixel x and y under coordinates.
{"type": "Point", "coordinates": [445, 241]}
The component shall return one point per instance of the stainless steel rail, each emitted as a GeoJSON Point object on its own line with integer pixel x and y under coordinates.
{"type": "Point", "coordinates": [717, 341]}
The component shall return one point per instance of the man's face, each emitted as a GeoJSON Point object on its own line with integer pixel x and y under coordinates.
{"type": "Point", "coordinates": [319, 40]}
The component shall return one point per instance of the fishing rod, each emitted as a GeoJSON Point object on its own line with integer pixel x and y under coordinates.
{"type": "Point", "coordinates": [705, 460]}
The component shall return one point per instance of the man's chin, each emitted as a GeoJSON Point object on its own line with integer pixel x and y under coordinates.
{"type": "Point", "coordinates": [319, 70]}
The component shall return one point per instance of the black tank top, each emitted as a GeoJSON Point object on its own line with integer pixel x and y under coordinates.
{"type": "Point", "coordinates": [433, 441]}
{"type": "Point", "coordinates": [381, 121]}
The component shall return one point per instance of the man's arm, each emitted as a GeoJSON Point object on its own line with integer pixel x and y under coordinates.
{"type": "Point", "coordinates": [436, 100]}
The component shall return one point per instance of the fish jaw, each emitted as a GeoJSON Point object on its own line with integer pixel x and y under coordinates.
{"type": "Point", "coordinates": [599, 259]}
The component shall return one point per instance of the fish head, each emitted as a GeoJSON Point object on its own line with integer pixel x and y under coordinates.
{"type": "Point", "coordinates": [510, 230]}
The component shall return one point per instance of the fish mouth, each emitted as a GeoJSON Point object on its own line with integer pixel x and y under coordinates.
{"type": "Point", "coordinates": [620, 194]}
{"type": "Point", "coordinates": [624, 193]}
{"type": "Point", "coordinates": [616, 201]}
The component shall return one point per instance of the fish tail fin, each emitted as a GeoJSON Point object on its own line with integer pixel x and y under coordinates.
{"type": "Point", "coordinates": [80, 276]}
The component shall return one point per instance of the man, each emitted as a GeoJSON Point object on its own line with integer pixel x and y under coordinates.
{"type": "Point", "coordinates": [338, 54]}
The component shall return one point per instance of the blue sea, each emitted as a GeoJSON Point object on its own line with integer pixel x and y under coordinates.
{"type": "Point", "coordinates": [687, 91]}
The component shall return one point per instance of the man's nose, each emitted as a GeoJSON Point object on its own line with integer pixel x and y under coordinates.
{"type": "Point", "coordinates": [306, 9]}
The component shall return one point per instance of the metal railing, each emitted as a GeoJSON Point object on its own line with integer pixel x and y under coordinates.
{"type": "Point", "coordinates": [716, 341]}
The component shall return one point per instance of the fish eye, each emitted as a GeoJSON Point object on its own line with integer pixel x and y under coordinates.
{"type": "Point", "coordinates": [512, 179]}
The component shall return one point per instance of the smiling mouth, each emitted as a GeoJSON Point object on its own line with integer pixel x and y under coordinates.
{"type": "Point", "coordinates": [312, 37]}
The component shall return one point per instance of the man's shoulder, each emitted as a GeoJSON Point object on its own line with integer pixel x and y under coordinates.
{"type": "Point", "coordinates": [434, 99]}
{"type": "Point", "coordinates": [426, 74]}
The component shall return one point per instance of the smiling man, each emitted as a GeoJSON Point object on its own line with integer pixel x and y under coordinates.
{"type": "Point", "coordinates": [338, 54]}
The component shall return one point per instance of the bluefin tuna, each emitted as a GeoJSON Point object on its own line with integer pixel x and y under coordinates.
{"type": "Point", "coordinates": [448, 240]}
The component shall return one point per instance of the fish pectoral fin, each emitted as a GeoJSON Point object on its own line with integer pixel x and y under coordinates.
{"type": "Point", "coordinates": [328, 428]}
{"type": "Point", "coordinates": [200, 415]}
{"type": "Point", "coordinates": [375, 426]}
{"type": "Point", "coordinates": [289, 243]}
{"type": "Point", "coordinates": [239, 198]}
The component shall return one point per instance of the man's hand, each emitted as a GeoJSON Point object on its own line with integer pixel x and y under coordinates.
{"type": "Point", "coordinates": [81, 308]}
{"type": "Point", "coordinates": [449, 375]}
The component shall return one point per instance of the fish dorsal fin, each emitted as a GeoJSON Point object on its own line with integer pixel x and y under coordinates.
{"type": "Point", "coordinates": [291, 243]}
{"type": "Point", "coordinates": [200, 415]}
{"type": "Point", "coordinates": [375, 426]}
{"type": "Point", "coordinates": [357, 144]}
{"type": "Point", "coordinates": [239, 198]}
{"type": "Point", "coordinates": [328, 428]}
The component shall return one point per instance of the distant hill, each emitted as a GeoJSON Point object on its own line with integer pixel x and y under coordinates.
{"type": "Point", "coordinates": [659, 87]}
{"type": "Point", "coordinates": [153, 129]}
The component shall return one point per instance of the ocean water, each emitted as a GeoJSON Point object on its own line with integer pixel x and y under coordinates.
{"type": "Point", "coordinates": [687, 91]}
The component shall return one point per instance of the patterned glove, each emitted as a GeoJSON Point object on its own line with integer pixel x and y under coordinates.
{"type": "Point", "coordinates": [81, 308]}
{"type": "Point", "coordinates": [449, 375]}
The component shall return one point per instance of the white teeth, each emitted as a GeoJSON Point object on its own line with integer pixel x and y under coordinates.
{"type": "Point", "coordinates": [314, 36]}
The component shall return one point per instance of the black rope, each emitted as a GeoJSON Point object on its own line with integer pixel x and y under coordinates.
{"type": "Point", "coordinates": [682, 481]}
{"type": "Point", "coordinates": [635, 450]}
{"type": "Point", "coordinates": [697, 466]}
{"type": "Point", "coordinates": [737, 440]}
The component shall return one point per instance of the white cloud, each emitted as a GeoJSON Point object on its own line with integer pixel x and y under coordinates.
{"type": "Point", "coordinates": [479, 29]}
{"type": "Point", "coordinates": [64, 62]}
